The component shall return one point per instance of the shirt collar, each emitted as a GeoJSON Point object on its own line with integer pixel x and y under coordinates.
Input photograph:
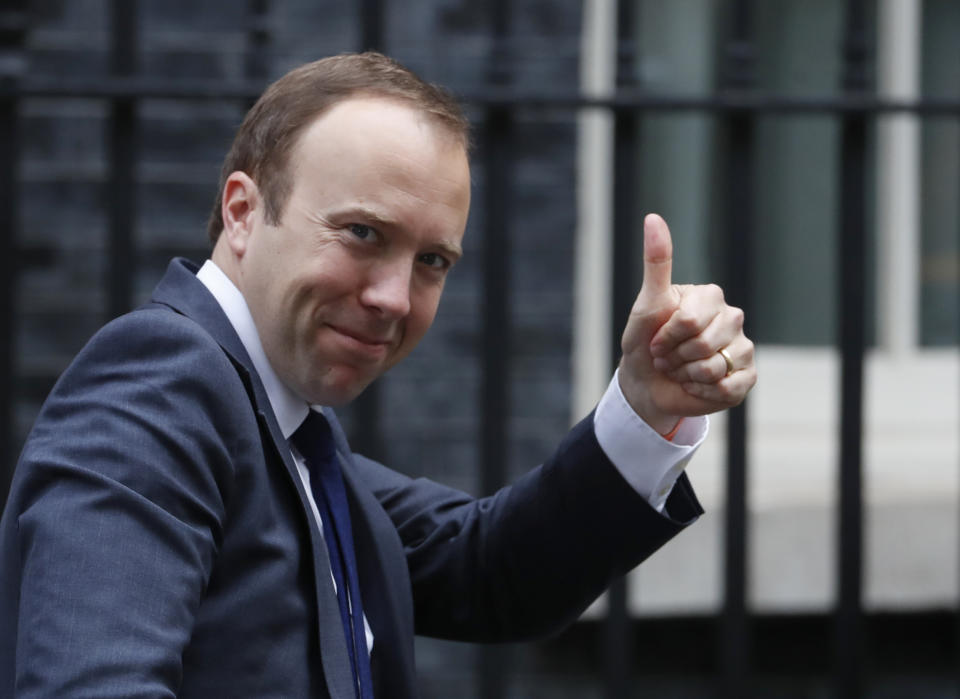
{"type": "Point", "coordinates": [289, 408]}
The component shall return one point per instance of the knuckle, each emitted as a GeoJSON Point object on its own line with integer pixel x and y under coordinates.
{"type": "Point", "coordinates": [715, 291]}
{"type": "Point", "coordinates": [699, 348]}
{"type": "Point", "coordinates": [673, 361]}
{"type": "Point", "coordinates": [725, 391]}
{"type": "Point", "coordinates": [698, 372]}
{"type": "Point", "coordinates": [711, 374]}
{"type": "Point", "coordinates": [736, 314]}
{"type": "Point", "coordinates": [707, 372]}
{"type": "Point", "coordinates": [686, 320]}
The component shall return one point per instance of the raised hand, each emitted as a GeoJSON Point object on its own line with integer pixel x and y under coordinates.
{"type": "Point", "coordinates": [672, 365]}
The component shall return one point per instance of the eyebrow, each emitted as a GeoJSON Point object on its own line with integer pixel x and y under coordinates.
{"type": "Point", "coordinates": [451, 249]}
{"type": "Point", "coordinates": [447, 246]}
{"type": "Point", "coordinates": [367, 214]}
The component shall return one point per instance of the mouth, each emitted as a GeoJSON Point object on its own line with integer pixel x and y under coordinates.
{"type": "Point", "coordinates": [364, 344]}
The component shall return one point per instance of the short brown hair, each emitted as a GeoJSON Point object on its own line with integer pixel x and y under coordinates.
{"type": "Point", "coordinates": [271, 128]}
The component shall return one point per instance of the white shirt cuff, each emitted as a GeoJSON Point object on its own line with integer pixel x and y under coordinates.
{"type": "Point", "coordinates": [648, 462]}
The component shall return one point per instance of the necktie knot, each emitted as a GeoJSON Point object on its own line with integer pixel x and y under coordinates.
{"type": "Point", "coordinates": [314, 440]}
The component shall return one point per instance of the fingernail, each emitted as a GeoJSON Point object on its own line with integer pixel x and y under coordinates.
{"type": "Point", "coordinates": [661, 364]}
{"type": "Point", "coordinates": [657, 350]}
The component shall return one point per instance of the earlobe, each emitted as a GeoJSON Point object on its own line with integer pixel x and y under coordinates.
{"type": "Point", "coordinates": [241, 201]}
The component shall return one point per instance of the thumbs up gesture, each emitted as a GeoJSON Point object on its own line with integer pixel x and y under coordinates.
{"type": "Point", "coordinates": [684, 351]}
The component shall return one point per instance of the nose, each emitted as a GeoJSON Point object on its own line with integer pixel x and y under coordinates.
{"type": "Point", "coordinates": [387, 291]}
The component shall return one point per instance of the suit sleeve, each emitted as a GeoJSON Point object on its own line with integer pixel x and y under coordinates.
{"type": "Point", "coordinates": [528, 560]}
{"type": "Point", "coordinates": [119, 499]}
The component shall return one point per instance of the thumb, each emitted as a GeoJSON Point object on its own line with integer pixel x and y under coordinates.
{"type": "Point", "coordinates": [657, 256]}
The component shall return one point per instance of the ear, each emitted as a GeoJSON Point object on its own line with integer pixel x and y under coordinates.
{"type": "Point", "coordinates": [240, 209]}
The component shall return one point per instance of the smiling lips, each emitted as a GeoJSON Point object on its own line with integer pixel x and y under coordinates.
{"type": "Point", "coordinates": [373, 346]}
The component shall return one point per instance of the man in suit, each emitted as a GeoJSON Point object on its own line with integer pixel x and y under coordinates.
{"type": "Point", "coordinates": [187, 518]}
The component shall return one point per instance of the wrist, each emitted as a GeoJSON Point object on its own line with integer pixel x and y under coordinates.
{"type": "Point", "coordinates": [637, 398]}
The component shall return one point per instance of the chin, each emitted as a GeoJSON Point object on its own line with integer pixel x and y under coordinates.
{"type": "Point", "coordinates": [336, 393]}
{"type": "Point", "coordinates": [338, 399]}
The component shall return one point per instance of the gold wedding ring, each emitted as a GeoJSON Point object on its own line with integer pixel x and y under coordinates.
{"type": "Point", "coordinates": [726, 357]}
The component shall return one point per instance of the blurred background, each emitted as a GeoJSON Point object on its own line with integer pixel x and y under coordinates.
{"type": "Point", "coordinates": [806, 154]}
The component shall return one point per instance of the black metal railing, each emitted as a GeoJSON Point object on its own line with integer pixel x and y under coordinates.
{"type": "Point", "coordinates": [13, 28]}
{"type": "Point", "coordinates": [736, 105]}
{"type": "Point", "coordinates": [738, 73]}
{"type": "Point", "coordinates": [123, 137]}
{"type": "Point", "coordinates": [497, 133]}
{"type": "Point", "coordinates": [618, 639]}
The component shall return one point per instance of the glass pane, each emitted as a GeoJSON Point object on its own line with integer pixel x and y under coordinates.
{"type": "Point", "coordinates": [676, 50]}
{"type": "Point", "coordinates": [940, 179]}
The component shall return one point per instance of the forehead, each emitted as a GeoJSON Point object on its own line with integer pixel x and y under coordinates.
{"type": "Point", "coordinates": [379, 126]}
{"type": "Point", "coordinates": [366, 148]}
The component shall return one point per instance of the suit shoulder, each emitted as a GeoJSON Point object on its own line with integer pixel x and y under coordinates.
{"type": "Point", "coordinates": [157, 337]}
{"type": "Point", "coordinates": [152, 324]}
{"type": "Point", "coordinates": [151, 352]}
{"type": "Point", "coordinates": [151, 393]}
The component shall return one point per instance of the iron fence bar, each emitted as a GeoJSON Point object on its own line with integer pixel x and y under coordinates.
{"type": "Point", "coordinates": [257, 58]}
{"type": "Point", "coordinates": [617, 631]}
{"type": "Point", "coordinates": [736, 101]}
{"type": "Point", "coordinates": [496, 337]}
{"type": "Point", "coordinates": [495, 316]}
{"type": "Point", "coordinates": [494, 662]}
{"type": "Point", "coordinates": [851, 286]}
{"type": "Point", "coordinates": [12, 34]}
{"type": "Point", "coordinates": [618, 645]}
{"type": "Point", "coordinates": [153, 87]}
{"type": "Point", "coordinates": [371, 25]}
{"type": "Point", "coordinates": [738, 73]}
{"type": "Point", "coordinates": [121, 262]}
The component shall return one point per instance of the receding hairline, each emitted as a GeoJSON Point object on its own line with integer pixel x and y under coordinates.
{"type": "Point", "coordinates": [457, 131]}
{"type": "Point", "coordinates": [448, 133]}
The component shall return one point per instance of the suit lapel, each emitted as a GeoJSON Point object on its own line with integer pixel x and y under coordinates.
{"type": "Point", "coordinates": [383, 585]}
{"type": "Point", "coordinates": [184, 293]}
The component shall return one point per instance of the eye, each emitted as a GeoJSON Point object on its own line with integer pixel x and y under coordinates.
{"type": "Point", "coordinates": [435, 260]}
{"type": "Point", "coordinates": [362, 231]}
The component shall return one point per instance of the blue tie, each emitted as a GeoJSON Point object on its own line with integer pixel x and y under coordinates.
{"type": "Point", "coordinates": [314, 441]}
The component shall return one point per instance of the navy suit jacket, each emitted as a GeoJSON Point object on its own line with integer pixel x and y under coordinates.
{"type": "Point", "coordinates": [156, 541]}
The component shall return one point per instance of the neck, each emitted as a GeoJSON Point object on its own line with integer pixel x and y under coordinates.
{"type": "Point", "coordinates": [224, 258]}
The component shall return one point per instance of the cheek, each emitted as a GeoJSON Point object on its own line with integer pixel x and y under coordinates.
{"type": "Point", "coordinates": [290, 318]}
